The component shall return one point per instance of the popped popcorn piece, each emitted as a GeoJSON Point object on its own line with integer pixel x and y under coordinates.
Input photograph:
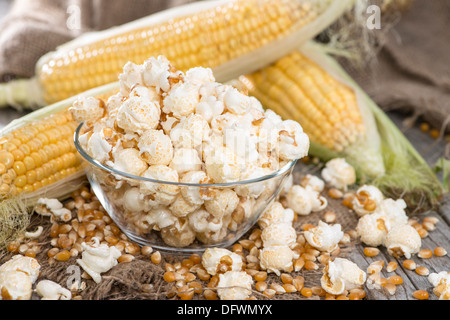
{"type": "Point", "coordinates": [134, 201]}
{"type": "Point", "coordinates": [235, 285]}
{"type": "Point", "coordinates": [339, 174]}
{"type": "Point", "coordinates": [305, 200]}
{"type": "Point", "coordinates": [403, 240]}
{"type": "Point", "coordinates": [128, 161]}
{"type": "Point", "coordinates": [199, 76]}
{"type": "Point", "coordinates": [209, 107]}
{"type": "Point", "coordinates": [185, 160]}
{"type": "Point", "coordinates": [441, 284]}
{"type": "Point", "coordinates": [279, 234]}
{"type": "Point", "coordinates": [313, 182]}
{"type": "Point", "coordinates": [181, 100]}
{"type": "Point", "coordinates": [293, 142]}
{"type": "Point", "coordinates": [163, 193]}
{"type": "Point", "coordinates": [201, 221]}
{"type": "Point", "coordinates": [34, 234]}
{"type": "Point", "coordinates": [54, 209]}
{"type": "Point", "coordinates": [254, 189]}
{"type": "Point", "coordinates": [372, 229]}
{"type": "Point", "coordinates": [222, 166]}
{"type": "Point", "coordinates": [15, 285]}
{"type": "Point", "coordinates": [88, 110]}
{"type": "Point", "coordinates": [148, 93]}
{"type": "Point", "coordinates": [196, 195]}
{"type": "Point", "coordinates": [130, 76]}
{"type": "Point", "coordinates": [324, 237]}
{"type": "Point", "coordinates": [211, 260]}
{"type": "Point", "coordinates": [138, 114]}
{"type": "Point", "coordinates": [394, 210]}
{"type": "Point", "coordinates": [98, 258]}
{"type": "Point", "coordinates": [50, 290]}
{"type": "Point", "coordinates": [168, 124]}
{"type": "Point", "coordinates": [240, 140]}
{"type": "Point", "coordinates": [236, 102]}
{"type": "Point", "coordinates": [276, 259]}
{"type": "Point", "coordinates": [158, 218]}
{"type": "Point", "coordinates": [181, 208]}
{"type": "Point", "coordinates": [342, 274]}
{"type": "Point", "coordinates": [275, 213]}
{"type": "Point", "coordinates": [190, 132]}
{"type": "Point", "coordinates": [367, 199]}
{"type": "Point", "coordinates": [156, 73]}
{"type": "Point", "coordinates": [179, 234]}
{"type": "Point", "coordinates": [26, 265]}
{"type": "Point", "coordinates": [155, 147]}
{"type": "Point", "coordinates": [223, 203]}
{"type": "Point", "coordinates": [98, 147]}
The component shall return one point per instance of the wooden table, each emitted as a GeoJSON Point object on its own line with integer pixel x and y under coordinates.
{"type": "Point", "coordinates": [432, 150]}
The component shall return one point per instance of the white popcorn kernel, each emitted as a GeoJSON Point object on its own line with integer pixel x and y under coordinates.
{"type": "Point", "coordinates": [156, 73]}
{"type": "Point", "coordinates": [372, 229]}
{"type": "Point", "coordinates": [155, 147]}
{"type": "Point", "coordinates": [313, 182]}
{"type": "Point", "coordinates": [196, 195]}
{"type": "Point", "coordinates": [129, 161]}
{"type": "Point", "coordinates": [131, 76]}
{"type": "Point", "coordinates": [201, 221]}
{"type": "Point", "coordinates": [185, 160]}
{"type": "Point", "coordinates": [158, 218]}
{"type": "Point", "coordinates": [26, 265]}
{"type": "Point", "coordinates": [275, 213]}
{"type": "Point", "coordinates": [98, 258]}
{"type": "Point", "coordinates": [242, 143]}
{"type": "Point", "coordinates": [147, 93]}
{"type": "Point", "coordinates": [223, 203]}
{"type": "Point", "coordinates": [367, 199]}
{"type": "Point", "coordinates": [179, 234]}
{"type": "Point", "coordinates": [88, 110]}
{"type": "Point", "coordinates": [342, 274]}
{"type": "Point", "coordinates": [305, 200]}
{"type": "Point", "coordinates": [293, 142]}
{"type": "Point", "coordinates": [15, 285]}
{"type": "Point", "coordinates": [222, 166]}
{"type": "Point", "coordinates": [181, 208]}
{"type": "Point", "coordinates": [199, 76]}
{"type": "Point", "coordinates": [163, 193]}
{"type": "Point", "coordinates": [394, 210]}
{"type": "Point", "coordinates": [53, 208]}
{"type": "Point", "coordinates": [276, 259]}
{"type": "Point", "coordinates": [134, 201]}
{"type": "Point", "coordinates": [254, 189]}
{"type": "Point", "coordinates": [168, 124]}
{"type": "Point", "coordinates": [190, 132]}
{"type": "Point", "coordinates": [339, 174]}
{"type": "Point", "coordinates": [441, 284]}
{"type": "Point", "coordinates": [49, 290]}
{"type": "Point", "coordinates": [403, 240]}
{"type": "Point", "coordinates": [138, 114]}
{"type": "Point", "coordinates": [212, 256]}
{"type": "Point", "coordinates": [236, 285]}
{"type": "Point", "coordinates": [113, 104]}
{"type": "Point", "coordinates": [221, 122]}
{"type": "Point", "coordinates": [209, 107]}
{"type": "Point", "coordinates": [236, 102]}
{"type": "Point", "coordinates": [279, 234]}
{"type": "Point", "coordinates": [181, 100]}
{"type": "Point", "coordinates": [324, 237]}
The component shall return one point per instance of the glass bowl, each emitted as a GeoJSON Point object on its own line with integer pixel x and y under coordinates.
{"type": "Point", "coordinates": [155, 213]}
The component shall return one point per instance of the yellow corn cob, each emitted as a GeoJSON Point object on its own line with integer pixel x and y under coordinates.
{"type": "Point", "coordinates": [231, 37]}
{"type": "Point", "coordinates": [38, 157]}
{"type": "Point", "coordinates": [297, 88]}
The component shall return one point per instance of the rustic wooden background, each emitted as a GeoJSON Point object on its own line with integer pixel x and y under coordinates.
{"type": "Point", "coordinates": [432, 150]}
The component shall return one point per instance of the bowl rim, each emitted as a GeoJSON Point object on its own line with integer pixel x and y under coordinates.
{"type": "Point", "coordinates": [287, 167]}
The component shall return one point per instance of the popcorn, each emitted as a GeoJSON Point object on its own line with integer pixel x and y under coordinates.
{"type": "Point", "coordinates": [342, 274]}
{"type": "Point", "coordinates": [395, 211]}
{"type": "Point", "coordinates": [313, 182]}
{"type": "Point", "coordinates": [293, 142]}
{"type": "Point", "coordinates": [88, 110]}
{"type": "Point", "coordinates": [212, 257]}
{"type": "Point", "coordinates": [98, 258]}
{"type": "Point", "coordinates": [339, 174]}
{"type": "Point", "coordinates": [155, 147]}
{"type": "Point", "coordinates": [184, 132]}
{"type": "Point", "coordinates": [367, 199]}
{"type": "Point", "coordinates": [53, 208]}
{"type": "Point", "coordinates": [138, 114]}
{"type": "Point", "coordinates": [305, 200]}
{"type": "Point", "coordinates": [26, 265]}
{"type": "Point", "coordinates": [441, 284]}
{"type": "Point", "coordinates": [129, 161]}
{"type": "Point", "coordinates": [403, 240]}
{"type": "Point", "coordinates": [279, 234]}
{"type": "Point", "coordinates": [372, 229]}
{"type": "Point", "coordinates": [236, 285]}
{"type": "Point", "coordinates": [274, 214]}
{"type": "Point", "coordinates": [50, 290]}
{"type": "Point", "coordinates": [324, 237]}
{"type": "Point", "coordinates": [15, 285]}
{"type": "Point", "coordinates": [276, 259]}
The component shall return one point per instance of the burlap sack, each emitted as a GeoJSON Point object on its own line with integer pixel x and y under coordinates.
{"type": "Point", "coordinates": [35, 27]}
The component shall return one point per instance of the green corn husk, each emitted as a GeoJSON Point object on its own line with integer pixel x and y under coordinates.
{"type": "Point", "coordinates": [383, 157]}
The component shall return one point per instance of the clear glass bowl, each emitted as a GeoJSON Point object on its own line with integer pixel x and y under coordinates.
{"type": "Point", "coordinates": [163, 220]}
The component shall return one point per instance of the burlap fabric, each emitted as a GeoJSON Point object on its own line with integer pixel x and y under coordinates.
{"type": "Point", "coordinates": [141, 279]}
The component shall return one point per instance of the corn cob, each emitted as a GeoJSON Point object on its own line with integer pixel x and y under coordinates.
{"type": "Point", "coordinates": [231, 37]}
{"type": "Point", "coordinates": [342, 121]}
{"type": "Point", "coordinates": [37, 154]}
